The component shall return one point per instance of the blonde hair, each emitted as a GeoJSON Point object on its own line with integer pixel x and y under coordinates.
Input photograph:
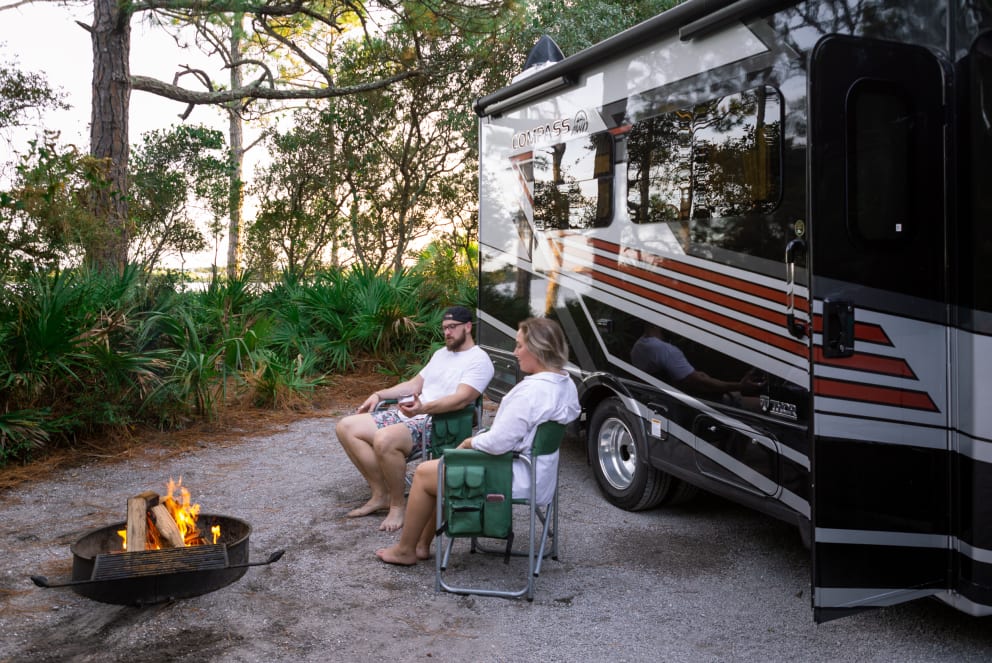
{"type": "Point", "coordinates": [545, 340]}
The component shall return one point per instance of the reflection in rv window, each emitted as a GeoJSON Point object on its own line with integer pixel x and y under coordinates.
{"type": "Point", "coordinates": [711, 161]}
{"type": "Point", "coordinates": [573, 183]}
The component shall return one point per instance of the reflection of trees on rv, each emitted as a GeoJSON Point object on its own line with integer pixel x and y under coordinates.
{"type": "Point", "coordinates": [573, 183]}
{"type": "Point", "coordinates": [701, 168]}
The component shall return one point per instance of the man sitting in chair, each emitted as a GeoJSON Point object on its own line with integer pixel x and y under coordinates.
{"type": "Point", "coordinates": [547, 393]}
{"type": "Point", "coordinates": [378, 442]}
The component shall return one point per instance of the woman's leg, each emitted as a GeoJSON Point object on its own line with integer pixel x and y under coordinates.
{"type": "Point", "coordinates": [419, 511]}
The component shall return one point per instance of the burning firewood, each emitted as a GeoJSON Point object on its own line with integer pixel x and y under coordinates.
{"type": "Point", "coordinates": [155, 522]}
{"type": "Point", "coordinates": [137, 519]}
{"type": "Point", "coordinates": [167, 527]}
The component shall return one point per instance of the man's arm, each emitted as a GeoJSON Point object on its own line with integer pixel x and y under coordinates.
{"type": "Point", "coordinates": [464, 395]}
{"type": "Point", "coordinates": [413, 386]}
{"type": "Point", "coordinates": [700, 382]}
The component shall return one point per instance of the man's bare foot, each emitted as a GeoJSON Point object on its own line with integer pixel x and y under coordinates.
{"type": "Point", "coordinates": [391, 556]}
{"type": "Point", "coordinates": [374, 505]}
{"type": "Point", "coordinates": [394, 520]}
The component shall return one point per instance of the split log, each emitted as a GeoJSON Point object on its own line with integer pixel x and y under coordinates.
{"type": "Point", "coordinates": [137, 519]}
{"type": "Point", "coordinates": [167, 527]}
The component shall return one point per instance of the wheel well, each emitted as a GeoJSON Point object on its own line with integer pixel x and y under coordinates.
{"type": "Point", "coordinates": [591, 397]}
{"type": "Point", "coordinates": [590, 400]}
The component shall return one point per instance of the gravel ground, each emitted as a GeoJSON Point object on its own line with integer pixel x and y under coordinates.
{"type": "Point", "coordinates": [710, 581]}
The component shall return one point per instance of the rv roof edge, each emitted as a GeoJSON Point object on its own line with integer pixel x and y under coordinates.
{"type": "Point", "coordinates": [737, 11]}
{"type": "Point", "coordinates": [668, 21]}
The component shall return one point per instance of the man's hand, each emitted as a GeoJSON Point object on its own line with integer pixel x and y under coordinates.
{"type": "Point", "coordinates": [369, 403]}
{"type": "Point", "coordinates": [412, 408]}
{"type": "Point", "coordinates": [753, 382]}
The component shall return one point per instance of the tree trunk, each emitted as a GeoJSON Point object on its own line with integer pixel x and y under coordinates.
{"type": "Point", "coordinates": [236, 200]}
{"type": "Point", "coordinates": [111, 36]}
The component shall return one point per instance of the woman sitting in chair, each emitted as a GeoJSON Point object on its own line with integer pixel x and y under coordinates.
{"type": "Point", "coordinates": [547, 393]}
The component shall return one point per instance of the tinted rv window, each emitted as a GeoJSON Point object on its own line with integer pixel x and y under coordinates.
{"type": "Point", "coordinates": [880, 134]}
{"type": "Point", "coordinates": [713, 160]}
{"type": "Point", "coordinates": [573, 183]}
{"type": "Point", "coordinates": [976, 240]}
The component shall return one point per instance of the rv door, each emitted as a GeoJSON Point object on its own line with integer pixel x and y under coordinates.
{"type": "Point", "coordinates": [880, 468]}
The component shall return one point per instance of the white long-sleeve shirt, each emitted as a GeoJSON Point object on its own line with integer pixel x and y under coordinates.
{"type": "Point", "coordinates": [537, 398]}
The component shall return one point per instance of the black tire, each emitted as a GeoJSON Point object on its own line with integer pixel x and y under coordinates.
{"type": "Point", "coordinates": [617, 451]}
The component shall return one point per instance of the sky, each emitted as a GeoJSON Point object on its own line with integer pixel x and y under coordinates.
{"type": "Point", "coordinates": [44, 38]}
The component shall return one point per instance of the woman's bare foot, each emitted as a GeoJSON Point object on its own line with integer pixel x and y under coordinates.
{"type": "Point", "coordinates": [394, 520]}
{"type": "Point", "coordinates": [423, 553]}
{"type": "Point", "coordinates": [391, 555]}
{"type": "Point", "coordinates": [374, 505]}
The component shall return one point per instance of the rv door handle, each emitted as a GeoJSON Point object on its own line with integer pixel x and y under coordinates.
{"type": "Point", "coordinates": [792, 248]}
{"type": "Point", "coordinates": [796, 327]}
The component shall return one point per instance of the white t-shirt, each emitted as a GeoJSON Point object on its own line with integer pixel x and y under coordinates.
{"type": "Point", "coordinates": [537, 398]}
{"type": "Point", "coordinates": [660, 358]}
{"type": "Point", "coordinates": [446, 370]}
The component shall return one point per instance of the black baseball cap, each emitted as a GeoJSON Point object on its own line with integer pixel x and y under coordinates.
{"type": "Point", "coordinates": [458, 314]}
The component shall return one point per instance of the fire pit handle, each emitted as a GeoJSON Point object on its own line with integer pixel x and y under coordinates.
{"type": "Point", "coordinates": [274, 557]}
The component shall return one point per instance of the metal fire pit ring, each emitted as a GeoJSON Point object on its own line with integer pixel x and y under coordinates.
{"type": "Point", "coordinates": [102, 571]}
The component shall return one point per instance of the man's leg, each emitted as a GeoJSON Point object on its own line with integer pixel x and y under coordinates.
{"type": "Point", "coordinates": [392, 445]}
{"type": "Point", "coordinates": [356, 433]}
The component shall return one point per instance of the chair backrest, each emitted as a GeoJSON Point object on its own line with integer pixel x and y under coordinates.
{"type": "Point", "coordinates": [548, 438]}
{"type": "Point", "coordinates": [477, 493]}
{"type": "Point", "coordinates": [449, 429]}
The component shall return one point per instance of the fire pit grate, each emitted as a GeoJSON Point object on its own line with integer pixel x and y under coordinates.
{"type": "Point", "coordinates": [115, 566]}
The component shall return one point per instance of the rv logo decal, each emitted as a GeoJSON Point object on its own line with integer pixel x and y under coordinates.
{"type": "Point", "coordinates": [580, 124]}
{"type": "Point", "coordinates": [779, 408]}
{"type": "Point", "coordinates": [542, 133]}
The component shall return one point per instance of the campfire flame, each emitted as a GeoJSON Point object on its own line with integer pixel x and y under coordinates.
{"type": "Point", "coordinates": [183, 512]}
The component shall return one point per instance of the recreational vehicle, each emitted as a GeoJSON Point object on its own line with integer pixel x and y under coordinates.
{"type": "Point", "coordinates": [766, 227]}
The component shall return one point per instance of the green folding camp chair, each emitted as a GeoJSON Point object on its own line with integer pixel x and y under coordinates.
{"type": "Point", "coordinates": [475, 501]}
{"type": "Point", "coordinates": [448, 429]}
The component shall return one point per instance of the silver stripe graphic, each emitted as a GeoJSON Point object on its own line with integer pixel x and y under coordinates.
{"type": "Point", "coordinates": [879, 538]}
{"type": "Point", "coordinates": [854, 597]}
{"type": "Point", "coordinates": [905, 539]}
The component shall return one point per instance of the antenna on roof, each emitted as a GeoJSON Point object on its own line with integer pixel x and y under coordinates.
{"type": "Point", "coordinates": [544, 54]}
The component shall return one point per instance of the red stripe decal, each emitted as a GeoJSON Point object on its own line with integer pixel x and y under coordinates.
{"type": "Point", "coordinates": [853, 391]}
{"type": "Point", "coordinates": [868, 332]}
{"type": "Point", "coordinates": [862, 361]}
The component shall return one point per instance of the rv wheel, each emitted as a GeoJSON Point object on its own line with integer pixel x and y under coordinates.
{"type": "Point", "coordinates": [617, 450]}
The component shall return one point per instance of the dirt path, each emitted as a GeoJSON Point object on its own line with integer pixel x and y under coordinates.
{"type": "Point", "coordinates": [708, 582]}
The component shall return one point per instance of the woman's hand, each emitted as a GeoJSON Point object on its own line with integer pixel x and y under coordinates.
{"type": "Point", "coordinates": [466, 444]}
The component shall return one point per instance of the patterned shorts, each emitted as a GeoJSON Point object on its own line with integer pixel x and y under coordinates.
{"type": "Point", "coordinates": [419, 426]}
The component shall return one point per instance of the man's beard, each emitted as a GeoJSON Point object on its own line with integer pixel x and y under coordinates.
{"type": "Point", "coordinates": [456, 343]}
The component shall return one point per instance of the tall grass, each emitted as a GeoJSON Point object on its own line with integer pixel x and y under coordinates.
{"type": "Point", "coordinates": [89, 354]}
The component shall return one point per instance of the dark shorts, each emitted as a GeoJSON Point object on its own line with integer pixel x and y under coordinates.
{"type": "Point", "coordinates": [419, 426]}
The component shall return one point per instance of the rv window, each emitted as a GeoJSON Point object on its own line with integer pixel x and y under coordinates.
{"type": "Point", "coordinates": [717, 159]}
{"type": "Point", "coordinates": [976, 241]}
{"type": "Point", "coordinates": [880, 158]}
{"type": "Point", "coordinates": [573, 183]}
